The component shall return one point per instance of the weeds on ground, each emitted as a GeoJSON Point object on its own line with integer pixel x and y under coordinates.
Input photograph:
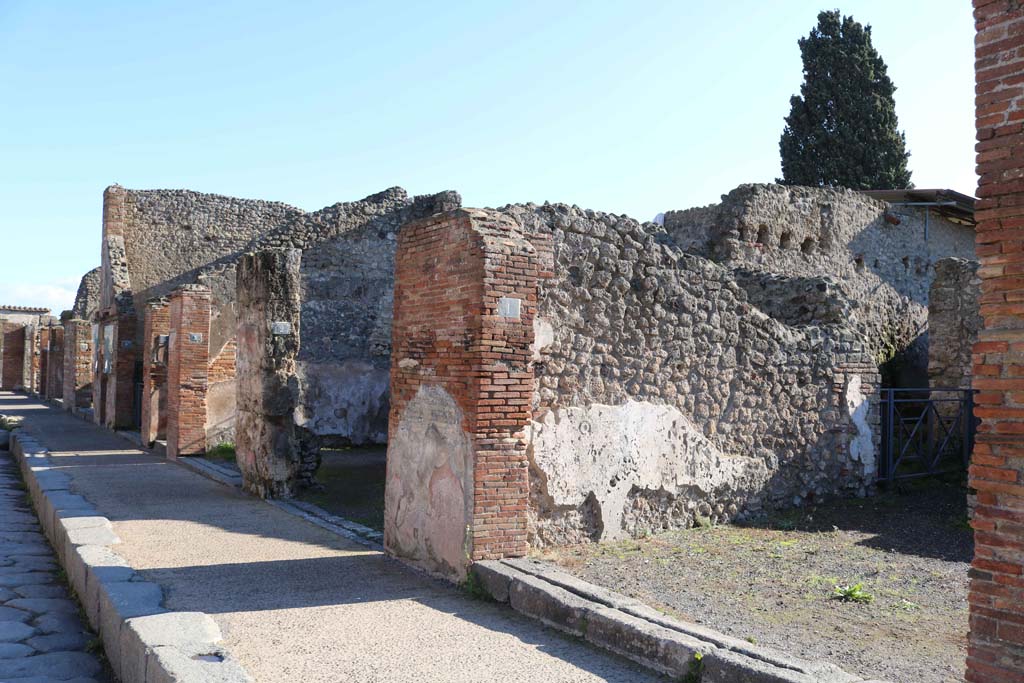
{"type": "Point", "coordinates": [854, 593]}
{"type": "Point", "coordinates": [9, 423]}
{"type": "Point", "coordinates": [475, 589]}
{"type": "Point", "coordinates": [696, 672]}
{"type": "Point", "coordinates": [222, 451]}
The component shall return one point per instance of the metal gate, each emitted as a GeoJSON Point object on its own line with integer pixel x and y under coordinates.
{"type": "Point", "coordinates": [925, 432]}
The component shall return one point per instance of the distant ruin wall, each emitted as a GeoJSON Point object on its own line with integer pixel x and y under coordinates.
{"type": "Point", "coordinates": [156, 240]}
{"type": "Point", "coordinates": [884, 269]}
{"type": "Point", "coordinates": [343, 363]}
{"type": "Point", "coordinates": [87, 298]}
{"type": "Point", "coordinates": [664, 397]}
{"type": "Point", "coordinates": [953, 322]}
{"type": "Point", "coordinates": [347, 280]}
{"type": "Point", "coordinates": [170, 236]}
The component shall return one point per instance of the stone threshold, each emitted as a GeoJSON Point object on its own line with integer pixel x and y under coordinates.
{"type": "Point", "coordinates": [143, 641]}
{"type": "Point", "coordinates": [629, 628]}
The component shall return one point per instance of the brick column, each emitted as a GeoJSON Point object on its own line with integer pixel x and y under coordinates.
{"type": "Point", "coordinates": [267, 444]}
{"type": "Point", "coordinates": [123, 393]}
{"type": "Point", "coordinates": [55, 363]}
{"type": "Point", "coordinates": [461, 385]}
{"type": "Point", "coordinates": [77, 389]}
{"type": "Point", "coordinates": [996, 645]}
{"type": "Point", "coordinates": [13, 355]}
{"type": "Point", "coordinates": [42, 365]}
{"type": "Point", "coordinates": [188, 370]}
{"type": "Point", "coordinates": [30, 371]}
{"type": "Point", "coordinates": [156, 329]}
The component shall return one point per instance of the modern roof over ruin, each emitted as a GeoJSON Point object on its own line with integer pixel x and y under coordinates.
{"type": "Point", "coordinates": [948, 203]}
{"type": "Point", "coordinates": [24, 309]}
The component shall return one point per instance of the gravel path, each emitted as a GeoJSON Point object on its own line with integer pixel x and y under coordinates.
{"type": "Point", "coordinates": [774, 584]}
{"type": "Point", "coordinates": [294, 601]}
{"type": "Point", "coordinates": [42, 637]}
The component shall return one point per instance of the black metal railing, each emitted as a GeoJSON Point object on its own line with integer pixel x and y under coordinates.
{"type": "Point", "coordinates": [925, 432]}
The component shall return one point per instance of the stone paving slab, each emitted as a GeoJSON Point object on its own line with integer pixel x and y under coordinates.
{"type": "Point", "coordinates": [292, 600]}
{"type": "Point", "coordinates": [42, 637]}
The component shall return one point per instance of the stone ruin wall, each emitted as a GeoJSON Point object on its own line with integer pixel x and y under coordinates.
{"type": "Point", "coordinates": [655, 361]}
{"type": "Point", "coordinates": [953, 323]}
{"type": "Point", "coordinates": [176, 237]}
{"type": "Point", "coordinates": [664, 398]}
{"type": "Point", "coordinates": [347, 286]}
{"type": "Point", "coordinates": [884, 269]}
{"type": "Point", "coordinates": [87, 298]}
{"type": "Point", "coordinates": [172, 236]}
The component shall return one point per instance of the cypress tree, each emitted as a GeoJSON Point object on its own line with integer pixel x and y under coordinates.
{"type": "Point", "coordinates": [842, 128]}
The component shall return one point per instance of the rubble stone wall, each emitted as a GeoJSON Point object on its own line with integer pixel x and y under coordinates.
{"type": "Point", "coordinates": [883, 267]}
{"type": "Point", "coordinates": [269, 447]}
{"type": "Point", "coordinates": [171, 236]}
{"type": "Point", "coordinates": [953, 323]}
{"type": "Point", "coordinates": [663, 397]}
{"type": "Point", "coordinates": [87, 299]}
{"type": "Point", "coordinates": [156, 240]}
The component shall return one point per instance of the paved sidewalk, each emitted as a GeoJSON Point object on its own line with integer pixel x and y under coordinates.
{"type": "Point", "coordinates": [294, 601]}
{"type": "Point", "coordinates": [42, 637]}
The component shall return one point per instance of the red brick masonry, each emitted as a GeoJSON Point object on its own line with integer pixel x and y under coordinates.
{"type": "Point", "coordinates": [188, 371]}
{"type": "Point", "coordinates": [451, 271]}
{"type": "Point", "coordinates": [996, 649]}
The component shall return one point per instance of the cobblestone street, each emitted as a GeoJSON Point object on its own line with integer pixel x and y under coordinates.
{"type": "Point", "coordinates": [42, 637]}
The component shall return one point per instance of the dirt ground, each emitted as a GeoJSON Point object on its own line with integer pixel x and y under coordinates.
{"type": "Point", "coordinates": [774, 583]}
{"type": "Point", "coordinates": [352, 482]}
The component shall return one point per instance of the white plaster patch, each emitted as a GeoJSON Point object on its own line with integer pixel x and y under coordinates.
{"type": "Point", "coordinates": [862, 446]}
{"type": "Point", "coordinates": [428, 498]}
{"type": "Point", "coordinates": [543, 335]}
{"type": "Point", "coordinates": [609, 449]}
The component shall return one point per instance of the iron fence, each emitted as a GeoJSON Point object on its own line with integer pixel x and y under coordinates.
{"type": "Point", "coordinates": [925, 432]}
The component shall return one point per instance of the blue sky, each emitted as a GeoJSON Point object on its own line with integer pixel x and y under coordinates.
{"type": "Point", "coordinates": [631, 107]}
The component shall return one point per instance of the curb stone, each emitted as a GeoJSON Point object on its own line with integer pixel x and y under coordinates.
{"type": "Point", "coordinates": [640, 633]}
{"type": "Point", "coordinates": [144, 642]}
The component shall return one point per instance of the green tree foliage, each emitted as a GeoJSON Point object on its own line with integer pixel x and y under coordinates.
{"type": "Point", "coordinates": [842, 129]}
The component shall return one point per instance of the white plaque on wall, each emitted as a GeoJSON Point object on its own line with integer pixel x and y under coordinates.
{"type": "Point", "coordinates": [508, 307]}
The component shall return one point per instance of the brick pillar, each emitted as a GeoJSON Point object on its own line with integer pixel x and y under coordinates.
{"type": "Point", "coordinates": [55, 363]}
{"type": "Point", "coordinates": [77, 389]}
{"type": "Point", "coordinates": [996, 597]}
{"type": "Point", "coordinates": [42, 365]}
{"type": "Point", "coordinates": [123, 393]}
{"type": "Point", "coordinates": [461, 386]}
{"type": "Point", "coordinates": [267, 443]}
{"type": "Point", "coordinates": [30, 371]}
{"type": "Point", "coordinates": [156, 329]}
{"type": "Point", "coordinates": [188, 370]}
{"type": "Point", "coordinates": [13, 355]}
